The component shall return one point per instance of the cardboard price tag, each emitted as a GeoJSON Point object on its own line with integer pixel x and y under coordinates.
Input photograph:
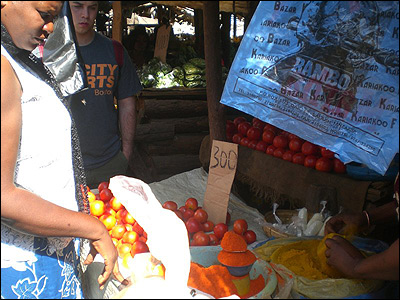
{"type": "Point", "coordinates": [223, 162]}
{"type": "Point", "coordinates": [162, 41]}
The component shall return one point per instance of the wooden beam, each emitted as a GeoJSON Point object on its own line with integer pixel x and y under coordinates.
{"type": "Point", "coordinates": [212, 50]}
{"type": "Point", "coordinates": [117, 21]}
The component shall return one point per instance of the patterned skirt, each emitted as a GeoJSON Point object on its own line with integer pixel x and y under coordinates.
{"type": "Point", "coordinates": [50, 277]}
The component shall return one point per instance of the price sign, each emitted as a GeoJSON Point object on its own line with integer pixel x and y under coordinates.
{"type": "Point", "coordinates": [223, 162]}
{"type": "Point", "coordinates": [162, 41]}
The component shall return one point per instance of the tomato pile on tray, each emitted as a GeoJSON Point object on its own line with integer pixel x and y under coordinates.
{"type": "Point", "coordinates": [203, 232]}
{"type": "Point", "coordinates": [128, 236]}
{"type": "Point", "coordinates": [271, 140]}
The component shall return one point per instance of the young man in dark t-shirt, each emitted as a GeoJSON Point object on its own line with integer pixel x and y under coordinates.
{"type": "Point", "coordinates": [106, 133]}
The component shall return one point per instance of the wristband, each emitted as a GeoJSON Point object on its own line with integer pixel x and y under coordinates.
{"type": "Point", "coordinates": [368, 219]}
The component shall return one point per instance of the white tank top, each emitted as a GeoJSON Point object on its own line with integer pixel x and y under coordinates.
{"type": "Point", "coordinates": [44, 161]}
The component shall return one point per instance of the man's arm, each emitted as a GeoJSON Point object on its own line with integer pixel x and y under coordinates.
{"type": "Point", "coordinates": [127, 124]}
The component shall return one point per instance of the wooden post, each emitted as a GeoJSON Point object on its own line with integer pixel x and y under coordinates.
{"type": "Point", "coordinates": [212, 50]}
{"type": "Point", "coordinates": [117, 20]}
{"type": "Point", "coordinates": [226, 38]}
{"type": "Point", "coordinates": [199, 32]}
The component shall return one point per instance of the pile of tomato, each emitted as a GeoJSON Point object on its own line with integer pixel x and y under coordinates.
{"type": "Point", "coordinates": [203, 232]}
{"type": "Point", "coordinates": [127, 235]}
{"type": "Point", "coordinates": [271, 140]}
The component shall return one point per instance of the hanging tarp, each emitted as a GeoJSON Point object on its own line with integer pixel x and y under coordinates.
{"type": "Point", "coordinates": [327, 71]}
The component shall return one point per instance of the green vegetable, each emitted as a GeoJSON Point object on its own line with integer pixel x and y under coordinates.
{"type": "Point", "coordinates": [191, 69]}
{"type": "Point", "coordinates": [198, 62]}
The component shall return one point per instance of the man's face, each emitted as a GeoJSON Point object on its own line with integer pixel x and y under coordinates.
{"type": "Point", "coordinates": [29, 22]}
{"type": "Point", "coordinates": [84, 14]}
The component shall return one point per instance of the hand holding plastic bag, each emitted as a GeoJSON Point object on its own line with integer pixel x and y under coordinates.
{"type": "Point", "coordinates": [167, 235]}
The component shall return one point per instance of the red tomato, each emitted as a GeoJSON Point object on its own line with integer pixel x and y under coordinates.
{"type": "Point", "coordinates": [239, 120]}
{"type": "Point", "coordinates": [299, 158]}
{"type": "Point", "coordinates": [171, 205]}
{"type": "Point", "coordinates": [208, 226]}
{"type": "Point", "coordinates": [245, 142]}
{"type": "Point", "coordinates": [288, 155]}
{"type": "Point", "coordinates": [97, 196]}
{"type": "Point", "coordinates": [271, 127]}
{"type": "Point", "coordinates": [120, 215]}
{"type": "Point", "coordinates": [231, 127]}
{"type": "Point", "coordinates": [339, 166]}
{"type": "Point", "coordinates": [108, 220]}
{"type": "Point", "coordinates": [97, 208]}
{"type": "Point", "coordinates": [123, 248]}
{"type": "Point", "coordinates": [139, 247]}
{"type": "Point", "coordinates": [128, 219]}
{"type": "Point", "coordinates": [250, 236]}
{"type": "Point", "coordinates": [118, 231]}
{"type": "Point", "coordinates": [183, 208]}
{"type": "Point", "coordinates": [278, 152]}
{"type": "Point", "coordinates": [252, 144]}
{"type": "Point", "coordinates": [106, 194]}
{"type": "Point", "coordinates": [280, 141]}
{"type": "Point", "coordinates": [295, 144]}
{"type": "Point", "coordinates": [327, 153]}
{"type": "Point", "coordinates": [237, 137]}
{"type": "Point", "coordinates": [138, 228]}
{"type": "Point", "coordinates": [268, 136]}
{"type": "Point", "coordinates": [192, 203]}
{"type": "Point", "coordinates": [308, 148]}
{"type": "Point", "coordinates": [130, 237]}
{"type": "Point", "coordinates": [292, 136]}
{"type": "Point", "coordinates": [116, 204]}
{"type": "Point", "coordinates": [244, 127]}
{"type": "Point", "coordinates": [270, 149]}
{"type": "Point", "coordinates": [201, 215]}
{"type": "Point", "coordinates": [128, 227]}
{"type": "Point", "coordinates": [240, 226]}
{"type": "Point", "coordinates": [179, 214]}
{"type": "Point", "coordinates": [220, 229]}
{"type": "Point", "coordinates": [254, 133]}
{"type": "Point", "coordinates": [310, 161]}
{"type": "Point", "coordinates": [108, 209]}
{"type": "Point", "coordinates": [102, 185]}
{"type": "Point", "coordinates": [201, 239]}
{"type": "Point", "coordinates": [188, 214]}
{"type": "Point", "coordinates": [91, 197]}
{"type": "Point", "coordinates": [193, 225]}
{"type": "Point", "coordinates": [213, 239]}
{"type": "Point", "coordinates": [324, 164]}
{"type": "Point", "coordinates": [258, 123]}
{"type": "Point", "coordinates": [261, 146]}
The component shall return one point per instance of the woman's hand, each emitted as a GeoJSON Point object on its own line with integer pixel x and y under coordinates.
{"type": "Point", "coordinates": [343, 256]}
{"type": "Point", "coordinates": [105, 247]}
{"type": "Point", "coordinates": [346, 223]}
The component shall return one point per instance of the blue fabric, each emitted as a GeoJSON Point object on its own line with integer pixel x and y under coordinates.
{"type": "Point", "coordinates": [50, 277]}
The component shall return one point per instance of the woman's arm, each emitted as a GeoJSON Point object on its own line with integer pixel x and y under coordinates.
{"type": "Point", "coordinates": [346, 258]}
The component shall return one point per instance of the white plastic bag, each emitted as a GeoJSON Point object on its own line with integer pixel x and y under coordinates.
{"type": "Point", "coordinates": [167, 236]}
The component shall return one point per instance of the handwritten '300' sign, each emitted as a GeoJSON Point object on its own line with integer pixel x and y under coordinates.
{"type": "Point", "coordinates": [224, 159]}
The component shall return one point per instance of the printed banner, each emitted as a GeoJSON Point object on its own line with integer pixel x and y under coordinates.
{"type": "Point", "coordinates": [327, 71]}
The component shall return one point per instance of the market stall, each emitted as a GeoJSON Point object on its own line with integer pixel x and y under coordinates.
{"type": "Point", "coordinates": [166, 127]}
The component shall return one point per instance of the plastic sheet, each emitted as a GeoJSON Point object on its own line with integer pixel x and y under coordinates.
{"type": "Point", "coordinates": [326, 71]}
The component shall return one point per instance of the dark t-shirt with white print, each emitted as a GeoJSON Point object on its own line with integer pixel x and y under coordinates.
{"type": "Point", "coordinates": [93, 109]}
